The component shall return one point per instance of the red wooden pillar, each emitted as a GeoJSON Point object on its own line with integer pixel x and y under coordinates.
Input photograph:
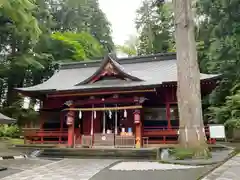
{"type": "Point", "coordinates": [70, 123]}
{"type": "Point", "coordinates": [61, 127]}
{"type": "Point", "coordinates": [168, 110]}
{"type": "Point", "coordinates": [138, 130]}
{"type": "Point", "coordinates": [168, 115]}
{"type": "Point", "coordinates": [41, 126]}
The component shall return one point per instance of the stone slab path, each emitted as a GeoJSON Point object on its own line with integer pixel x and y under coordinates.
{"type": "Point", "coordinates": [230, 170]}
{"type": "Point", "coordinates": [24, 164]}
{"type": "Point", "coordinates": [66, 169]}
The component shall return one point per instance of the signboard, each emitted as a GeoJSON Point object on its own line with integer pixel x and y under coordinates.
{"type": "Point", "coordinates": [217, 131]}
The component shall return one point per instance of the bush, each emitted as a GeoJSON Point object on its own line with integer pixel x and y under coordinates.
{"type": "Point", "coordinates": [229, 113]}
{"type": "Point", "coordinates": [189, 153]}
{"type": "Point", "coordinates": [182, 153]}
{"type": "Point", "coordinates": [9, 131]}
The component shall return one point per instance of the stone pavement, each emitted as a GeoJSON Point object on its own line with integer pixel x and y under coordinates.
{"type": "Point", "coordinates": [97, 169]}
{"type": "Point", "coordinates": [24, 164]}
{"type": "Point", "coordinates": [230, 170]}
{"type": "Point", "coordinates": [65, 169]}
{"type": "Point", "coordinates": [4, 151]}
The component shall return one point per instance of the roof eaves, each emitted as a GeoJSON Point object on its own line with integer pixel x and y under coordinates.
{"type": "Point", "coordinates": [26, 89]}
{"type": "Point", "coordinates": [211, 77]}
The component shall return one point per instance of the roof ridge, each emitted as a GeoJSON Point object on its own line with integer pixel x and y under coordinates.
{"type": "Point", "coordinates": [127, 60]}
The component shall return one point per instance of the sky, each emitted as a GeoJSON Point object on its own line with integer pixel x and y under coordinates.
{"type": "Point", "coordinates": [121, 14]}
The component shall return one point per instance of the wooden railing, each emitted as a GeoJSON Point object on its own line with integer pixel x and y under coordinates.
{"type": "Point", "coordinates": [100, 139]}
{"type": "Point", "coordinates": [167, 135]}
{"type": "Point", "coordinates": [153, 135]}
{"type": "Point", "coordinates": [87, 141]}
{"type": "Point", "coordinates": [33, 135]}
{"type": "Point", "coordinates": [124, 141]}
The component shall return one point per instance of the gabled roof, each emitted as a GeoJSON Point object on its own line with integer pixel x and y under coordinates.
{"type": "Point", "coordinates": [151, 70]}
{"type": "Point", "coordinates": [107, 64]}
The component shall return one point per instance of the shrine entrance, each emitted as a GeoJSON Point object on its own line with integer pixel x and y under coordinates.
{"type": "Point", "coordinates": [109, 123]}
{"type": "Point", "coordinates": [108, 126]}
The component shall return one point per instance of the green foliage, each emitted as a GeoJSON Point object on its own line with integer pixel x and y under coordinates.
{"type": "Point", "coordinates": [22, 115]}
{"type": "Point", "coordinates": [155, 24]}
{"type": "Point", "coordinates": [229, 112]}
{"type": "Point", "coordinates": [82, 15]}
{"type": "Point", "coordinates": [19, 14]}
{"type": "Point", "coordinates": [218, 38]}
{"type": "Point", "coordinates": [35, 35]}
{"type": "Point", "coordinates": [182, 153]}
{"type": "Point", "coordinates": [188, 153]}
{"type": "Point", "coordinates": [9, 131]}
{"type": "Point", "coordinates": [130, 46]}
{"type": "Point", "coordinates": [79, 46]}
{"type": "Point", "coordinates": [127, 50]}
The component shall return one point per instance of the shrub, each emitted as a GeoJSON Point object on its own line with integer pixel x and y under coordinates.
{"type": "Point", "coordinates": [9, 131]}
{"type": "Point", "coordinates": [182, 153]}
{"type": "Point", "coordinates": [229, 113]}
{"type": "Point", "coordinates": [188, 153]}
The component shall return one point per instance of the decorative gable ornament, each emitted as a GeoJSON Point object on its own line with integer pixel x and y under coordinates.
{"type": "Point", "coordinates": [109, 67]}
{"type": "Point", "coordinates": [69, 103]}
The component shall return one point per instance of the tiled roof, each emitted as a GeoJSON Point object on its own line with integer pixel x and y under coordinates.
{"type": "Point", "coordinates": [150, 70]}
{"type": "Point", "coordinates": [6, 120]}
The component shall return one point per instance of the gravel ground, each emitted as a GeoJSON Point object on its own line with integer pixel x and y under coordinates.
{"type": "Point", "coordinates": [174, 174]}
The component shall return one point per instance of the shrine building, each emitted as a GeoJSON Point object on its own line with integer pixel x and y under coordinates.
{"type": "Point", "coordinates": [125, 102]}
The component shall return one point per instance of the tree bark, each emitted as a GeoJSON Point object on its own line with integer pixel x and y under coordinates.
{"type": "Point", "coordinates": [192, 134]}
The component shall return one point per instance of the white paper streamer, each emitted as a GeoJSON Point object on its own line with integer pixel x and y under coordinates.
{"type": "Point", "coordinates": [94, 114]}
{"type": "Point", "coordinates": [110, 114]}
{"type": "Point", "coordinates": [80, 115]}
{"type": "Point", "coordinates": [125, 113]}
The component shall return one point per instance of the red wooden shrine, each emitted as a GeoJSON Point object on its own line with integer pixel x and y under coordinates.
{"type": "Point", "coordinates": [128, 102]}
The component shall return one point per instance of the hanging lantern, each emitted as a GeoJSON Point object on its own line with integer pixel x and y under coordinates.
{"type": "Point", "coordinates": [137, 118]}
{"type": "Point", "coordinates": [110, 114]}
{"type": "Point", "coordinates": [125, 113]}
{"type": "Point", "coordinates": [94, 114]}
{"type": "Point", "coordinates": [80, 115]}
{"type": "Point", "coordinates": [70, 118]}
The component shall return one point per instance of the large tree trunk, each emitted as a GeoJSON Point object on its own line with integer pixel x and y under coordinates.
{"type": "Point", "coordinates": [192, 133]}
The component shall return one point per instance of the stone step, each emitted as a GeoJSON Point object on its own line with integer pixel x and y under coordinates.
{"type": "Point", "coordinates": [106, 153]}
